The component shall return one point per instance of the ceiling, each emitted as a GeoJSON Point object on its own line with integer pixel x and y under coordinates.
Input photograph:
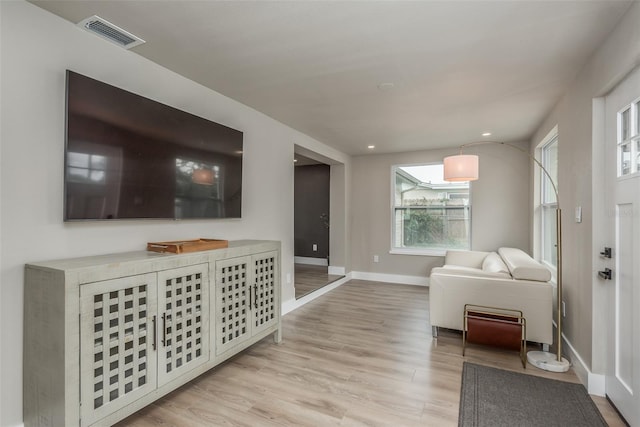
{"type": "Point", "coordinates": [399, 75]}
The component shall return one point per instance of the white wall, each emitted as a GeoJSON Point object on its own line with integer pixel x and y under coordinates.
{"type": "Point", "coordinates": [580, 181]}
{"type": "Point", "coordinates": [37, 47]}
{"type": "Point", "coordinates": [499, 210]}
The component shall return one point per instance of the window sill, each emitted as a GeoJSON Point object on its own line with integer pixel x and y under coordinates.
{"type": "Point", "coordinates": [421, 252]}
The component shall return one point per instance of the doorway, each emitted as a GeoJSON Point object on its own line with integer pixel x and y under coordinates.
{"type": "Point", "coordinates": [312, 194]}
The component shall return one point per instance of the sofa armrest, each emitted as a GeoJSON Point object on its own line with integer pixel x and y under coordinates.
{"type": "Point", "coordinates": [465, 258]}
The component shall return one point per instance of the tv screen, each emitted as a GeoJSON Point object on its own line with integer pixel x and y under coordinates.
{"type": "Point", "coordinates": [128, 157]}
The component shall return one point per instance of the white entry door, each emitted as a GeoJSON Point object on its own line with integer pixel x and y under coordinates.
{"type": "Point", "coordinates": [623, 208]}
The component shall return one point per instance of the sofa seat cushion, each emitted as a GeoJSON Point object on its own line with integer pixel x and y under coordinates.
{"type": "Point", "coordinates": [522, 266]}
{"type": "Point", "coordinates": [470, 271]}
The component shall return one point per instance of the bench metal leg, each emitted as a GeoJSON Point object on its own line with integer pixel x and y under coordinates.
{"type": "Point", "coordinates": [434, 331]}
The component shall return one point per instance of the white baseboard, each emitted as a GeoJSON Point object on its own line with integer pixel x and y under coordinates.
{"type": "Point", "coordinates": [335, 270]}
{"type": "Point", "coordinates": [594, 383]}
{"type": "Point", "coordinates": [391, 278]}
{"type": "Point", "coordinates": [597, 384]}
{"type": "Point", "coordinates": [310, 260]}
{"type": "Point", "coordinates": [292, 304]}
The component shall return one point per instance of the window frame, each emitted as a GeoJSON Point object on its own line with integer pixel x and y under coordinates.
{"type": "Point", "coordinates": [546, 197]}
{"type": "Point", "coordinates": [425, 251]}
{"type": "Point", "coordinates": [632, 139]}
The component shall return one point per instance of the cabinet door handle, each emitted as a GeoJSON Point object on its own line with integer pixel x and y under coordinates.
{"type": "Point", "coordinates": [155, 332]}
{"type": "Point", "coordinates": [255, 295]}
{"type": "Point", "coordinates": [164, 329]}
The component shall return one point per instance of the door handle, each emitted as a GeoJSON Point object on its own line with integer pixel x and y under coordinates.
{"type": "Point", "coordinates": [606, 253]}
{"type": "Point", "coordinates": [605, 274]}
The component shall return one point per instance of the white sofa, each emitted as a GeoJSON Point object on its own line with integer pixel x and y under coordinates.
{"type": "Point", "coordinates": [508, 279]}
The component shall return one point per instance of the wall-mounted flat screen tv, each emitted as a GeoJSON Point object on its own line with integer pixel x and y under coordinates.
{"type": "Point", "coordinates": [128, 157]}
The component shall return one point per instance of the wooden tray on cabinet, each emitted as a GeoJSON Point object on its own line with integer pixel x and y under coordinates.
{"type": "Point", "coordinates": [182, 246]}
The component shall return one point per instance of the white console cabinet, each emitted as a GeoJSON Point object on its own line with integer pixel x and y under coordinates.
{"type": "Point", "coordinates": [107, 335]}
{"type": "Point", "coordinates": [246, 292]}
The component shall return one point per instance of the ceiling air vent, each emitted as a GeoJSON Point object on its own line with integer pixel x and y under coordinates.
{"type": "Point", "coordinates": [108, 31]}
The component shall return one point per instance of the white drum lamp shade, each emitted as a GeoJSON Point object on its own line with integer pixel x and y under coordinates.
{"type": "Point", "coordinates": [462, 167]}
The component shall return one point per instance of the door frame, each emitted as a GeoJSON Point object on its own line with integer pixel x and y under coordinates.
{"type": "Point", "coordinates": [602, 228]}
{"type": "Point", "coordinates": [338, 256]}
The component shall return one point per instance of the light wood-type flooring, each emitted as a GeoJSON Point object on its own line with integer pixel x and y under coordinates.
{"type": "Point", "coordinates": [309, 278]}
{"type": "Point", "coordinates": [361, 355]}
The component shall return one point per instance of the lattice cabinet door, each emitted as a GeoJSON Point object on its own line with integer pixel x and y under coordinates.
{"type": "Point", "coordinates": [232, 303]}
{"type": "Point", "coordinates": [266, 288]}
{"type": "Point", "coordinates": [183, 316]}
{"type": "Point", "coordinates": [117, 356]}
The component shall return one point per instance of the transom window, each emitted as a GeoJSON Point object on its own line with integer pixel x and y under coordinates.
{"type": "Point", "coordinates": [629, 139]}
{"type": "Point", "coordinates": [429, 214]}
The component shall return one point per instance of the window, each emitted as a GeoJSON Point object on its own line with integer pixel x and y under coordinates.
{"type": "Point", "coordinates": [548, 201]}
{"type": "Point", "coordinates": [429, 214]}
{"type": "Point", "coordinates": [629, 139]}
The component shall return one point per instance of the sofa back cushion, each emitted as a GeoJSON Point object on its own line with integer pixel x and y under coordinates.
{"type": "Point", "coordinates": [465, 258]}
{"type": "Point", "coordinates": [493, 264]}
{"type": "Point", "coordinates": [522, 266]}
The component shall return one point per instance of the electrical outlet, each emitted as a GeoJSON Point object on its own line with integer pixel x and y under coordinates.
{"type": "Point", "coordinates": [315, 247]}
{"type": "Point", "coordinates": [564, 310]}
{"type": "Point", "coordinates": [376, 258]}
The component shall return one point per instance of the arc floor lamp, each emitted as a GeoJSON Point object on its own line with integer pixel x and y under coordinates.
{"type": "Point", "coordinates": [464, 167]}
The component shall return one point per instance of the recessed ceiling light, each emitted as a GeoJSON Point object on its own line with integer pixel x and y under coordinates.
{"type": "Point", "coordinates": [386, 86]}
{"type": "Point", "coordinates": [371, 147]}
{"type": "Point", "coordinates": [295, 160]}
{"type": "Point", "coordinates": [486, 134]}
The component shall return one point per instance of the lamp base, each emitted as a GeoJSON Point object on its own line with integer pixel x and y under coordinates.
{"type": "Point", "coordinates": [548, 361]}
